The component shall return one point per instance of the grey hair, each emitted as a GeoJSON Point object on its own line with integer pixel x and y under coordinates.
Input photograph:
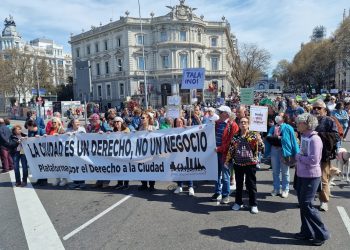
{"type": "Point", "coordinates": [310, 120]}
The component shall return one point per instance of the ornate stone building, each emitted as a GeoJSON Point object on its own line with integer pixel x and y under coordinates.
{"type": "Point", "coordinates": [59, 62]}
{"type": "Point", "coordinates": [177, 40]}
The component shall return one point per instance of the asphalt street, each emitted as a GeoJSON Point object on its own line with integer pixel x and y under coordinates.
{"type": "Point", "coordinates": [163, 220]}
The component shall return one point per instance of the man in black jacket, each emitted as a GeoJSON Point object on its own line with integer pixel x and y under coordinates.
{"type": "Point", "coordinates": [6, 160]}
{"type": "Point", "coordinates": [328, 132]}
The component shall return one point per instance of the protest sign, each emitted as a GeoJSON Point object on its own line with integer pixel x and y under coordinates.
{"type": "Point", "coordinates": [173, 107]}
{"type": "Point", "coordinates": [334, 91]}
{"type": "Point", "coordinates": [193, 78]}
{"type": "Point", "coordinates": [177, 154]}
{"type": "Point", "coordinates": [247, 96]}
{"type": "Point", "coordinates": [258, 118]}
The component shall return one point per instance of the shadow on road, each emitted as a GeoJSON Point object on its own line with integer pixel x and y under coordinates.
{"type": "Point", "coordinates": [243, 233]}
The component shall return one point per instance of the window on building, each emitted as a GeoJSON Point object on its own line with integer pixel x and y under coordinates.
{"type": "Point", "coordinates": [98, 72]}
{"type": "Point", "coordinates": [163, 36]}
{"type": "Point", "coordinates": [108, 90]}
{"type": "Point", "coordinates": [183, 61]}
{"type": "Point", "coordinates": [183, 36]}
{"type": "Point", "coordinates": [165, 61]}
{"type": "Point", "coordinates": [214, 63]}
{"type": "Point", "coordinates": [121, 89]}
{"type": "Point", "coordinates": [97, 49]}
{"type": "Point", "coordinates": [140, 39]}
{"type": "Point", "coordinates": [99, 91]}
{"type": "Point", "coordinates": [106, 44]}
{"type": "Point", "coordinates": [214, 42]}
{"type": "Point", "coordinates": [199, 61]}
{"type": "Point", "coordinates": [199, 36]}
{"type": "Point", "coordinates": [78, 52]}
{"type": "Point", "coordinates": [60, 62]}
{"type": "Point", "coordinates": [88, 51]}
{"type": "Point", "coordinates": [140, 63]}
{"type": "Point", "coordinates": [107, 67]}
{"type": "Point", "coordinates": [120, 64]}
{"type": "Point", "coordinates": [119, 42]}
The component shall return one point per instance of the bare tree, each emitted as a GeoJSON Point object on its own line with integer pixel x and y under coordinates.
{"type": "Point", "coordinates": [249, 63]}
{"type": "Point", "coordinates": [19, 72]}
{"type": "Point", "coordinates": [282, 71]}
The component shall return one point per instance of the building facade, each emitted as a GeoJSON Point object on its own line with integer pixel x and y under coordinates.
{"type": "Point", "coordinates": [171, 42]}
{"type": "Point", "coordinates": [60, 63]}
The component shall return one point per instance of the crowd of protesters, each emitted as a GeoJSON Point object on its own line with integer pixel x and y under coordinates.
{"type": "Point", "coordinates": [295, 137]}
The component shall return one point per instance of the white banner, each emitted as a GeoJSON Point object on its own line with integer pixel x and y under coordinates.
{"type": "Point", "coordinates": [177, 154]}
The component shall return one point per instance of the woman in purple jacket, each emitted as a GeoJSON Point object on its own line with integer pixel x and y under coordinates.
{"type": "Point", "coordinates": [309, 173]}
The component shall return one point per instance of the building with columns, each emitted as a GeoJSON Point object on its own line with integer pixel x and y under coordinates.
{"type": "Point", "coordinates": [177, 40]}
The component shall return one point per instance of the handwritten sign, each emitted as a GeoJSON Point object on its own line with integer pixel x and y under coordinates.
{"type": "Point", "coordinates": [174, 106]}
{"type": "Point", "coordinates": [247, 96]}
{"type": "Point", "coordinates": [193, 78]}
{"type": "Point", "coordinates": [258, 118]}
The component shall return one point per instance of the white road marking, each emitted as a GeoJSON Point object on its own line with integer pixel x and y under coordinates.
{"type": "Point", "coordinates": [96, 218]}
{"type": "Point", "coordinates": [37, 226]}
{"type": "Point", "coordinates": [345, 217]}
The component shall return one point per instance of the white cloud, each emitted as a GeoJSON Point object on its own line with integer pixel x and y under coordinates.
{"type": "Point", "coordinates": [279, 26]}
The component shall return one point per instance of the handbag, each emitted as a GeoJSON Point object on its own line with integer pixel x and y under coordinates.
{"type": "Point", "coordinates": [289, 160]}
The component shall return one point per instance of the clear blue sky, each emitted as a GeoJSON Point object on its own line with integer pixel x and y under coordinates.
{"type": "Point", "coordinates": [279, 26]}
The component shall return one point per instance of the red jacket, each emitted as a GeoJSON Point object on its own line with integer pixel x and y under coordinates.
{"type": "Point", "coordinates": [230, 130]}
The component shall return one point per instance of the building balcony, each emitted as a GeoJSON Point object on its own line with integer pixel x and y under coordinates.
{"type": "Point", "coordinates": [177, 71]}
{"type": "Point", "coordinates": [108, 76]}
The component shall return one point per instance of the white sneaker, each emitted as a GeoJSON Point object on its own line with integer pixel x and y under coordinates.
{"type": "Point", "coordinates": [275, 192]}
{"type": "Point", "coordinates": [285, 194]}
{"type": "Point", "coordinates": [191, 191]}
{"type": "Point", "coordinates": [236, 207]}
{"type": "Point", "coordinates": [233, 188]}
{"type": "Point", "coordinates": [254, 210]}
{"type": "Point", "coordinates": [55, 182]}
{"type": "Point", "coordinates": [178, 190]}
{"type": "Point", "coordinates": [63, 182]}
{"type": "Point", "coordinates": [324, 206]}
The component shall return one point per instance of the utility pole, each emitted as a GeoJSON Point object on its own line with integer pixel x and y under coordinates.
{"type": "Point", "coordinates": [144, 59]}
{"type": "Point", "coordinates": [38, 85]}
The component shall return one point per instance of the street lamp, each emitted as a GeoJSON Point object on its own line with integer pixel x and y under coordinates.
{"type": "Point", "coordinates": [38, 84]}
{"type": "Point", "coordinates": [143, 56]}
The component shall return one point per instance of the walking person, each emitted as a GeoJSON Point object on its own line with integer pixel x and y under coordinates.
{"type": "Point", "coordinates": [284, 146]}
{"type": "Point", "coordinates": [309, 178]}
{"type": "Point", "coordinates": [6, 160]}
{"type": "Point", "coordinates": [225, 129]}
{"type": "Point", "coordinates": [17, 154]}
{"type": "Point", "coordinates": [243, 154]}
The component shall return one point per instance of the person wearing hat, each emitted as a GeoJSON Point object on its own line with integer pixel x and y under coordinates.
{"type": "Point", "coordinates": [331, 104]}
{"type": "Point", "coordinates": [328, 131]}
{"type": "Point", "coordinates": [225, 129]}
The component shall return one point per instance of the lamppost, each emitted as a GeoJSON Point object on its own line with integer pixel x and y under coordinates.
{"type": "Point", "coordinates": [38, 103]}
{"type": "Point", "coordinates": [143, 56]}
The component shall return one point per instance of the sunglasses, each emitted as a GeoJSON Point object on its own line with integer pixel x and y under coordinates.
{"type": "Point", "coordinates": [317, 108]}
{"type": "Point", "coordinates": [143, 117]}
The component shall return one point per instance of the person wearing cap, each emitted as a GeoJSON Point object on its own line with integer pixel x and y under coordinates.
{"type": "Point", "coordinates": [331, 104]}
{"type": "Point", "coordinates": [328, 131]}
{"type": "Point", "coordinates": [211, 117]}
{"type": "Point", "coordinates": [225, 129]}
{"type": "Point", "coordinates": [120, 126]}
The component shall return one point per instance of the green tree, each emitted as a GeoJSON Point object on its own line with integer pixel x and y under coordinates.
{"type": "Point", "coordinates": [65, 92]}
{"type": "Point", "coordinates": [282, 71]}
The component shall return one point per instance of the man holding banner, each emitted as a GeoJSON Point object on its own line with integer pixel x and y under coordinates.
{"type": "Point", "coordinates": [225, 129]}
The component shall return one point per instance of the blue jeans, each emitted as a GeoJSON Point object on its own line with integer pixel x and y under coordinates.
{"type": "Point", "coordinates": [311, 224]}
{"type": "Point", "coordinates": [225, 180]}
{"type": "Point", "coordinates": [16, 158]}
{"type": "Point", "coordinates": [277, 168]}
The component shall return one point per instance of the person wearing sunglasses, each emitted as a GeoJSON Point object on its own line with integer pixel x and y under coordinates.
{"type": "Point", "coordinates": [328, 131]}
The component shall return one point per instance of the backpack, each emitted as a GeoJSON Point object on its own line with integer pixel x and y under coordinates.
{"type": "Point", "coordinates": [339, 127]}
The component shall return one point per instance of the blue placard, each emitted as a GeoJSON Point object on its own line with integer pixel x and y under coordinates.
{"type": "Point", "coordinates": [193, 78]}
